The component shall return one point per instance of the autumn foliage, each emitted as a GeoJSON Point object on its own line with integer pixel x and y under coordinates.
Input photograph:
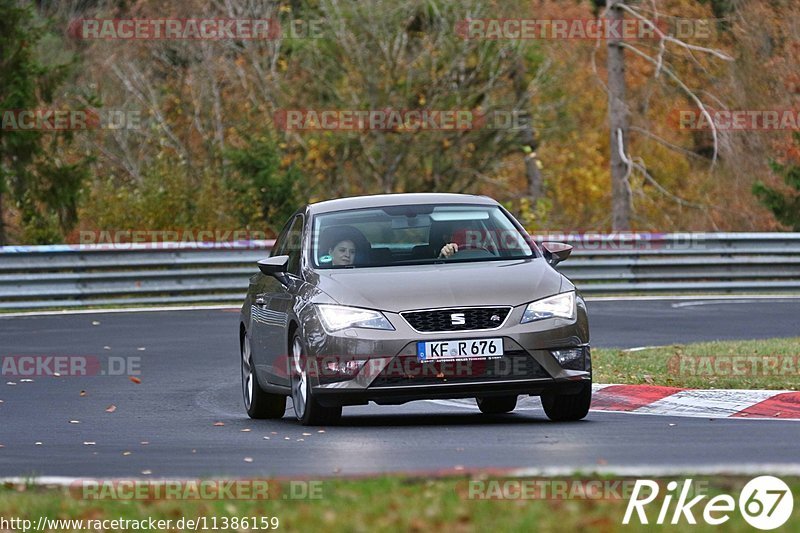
{"type": "Point", "coordinates": [209, 154]}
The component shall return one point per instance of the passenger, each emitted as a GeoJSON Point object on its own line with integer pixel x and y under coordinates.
{"type": "Point", "coordinates": [344, 246]}
{"type": "Point", "coordinates": [343, 253]}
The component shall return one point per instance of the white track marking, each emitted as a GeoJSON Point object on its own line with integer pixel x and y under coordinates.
{"type": "Point", "coordinates": [217, 307]}
{"type": "Point", "coordinates": [707, 403]}
{"type": "Point", "coordinates": [712, 403]}
{"type": "Point", "coordinates": [525, 403]}
{"type": "Point", "coordinates": [119, 310]}
{"type": "Point", "coordinates": [714, 302]}
{"type": "Point", "coordinates": [691, 297]}
{"type": "Point", "coordinates": [736, 469]}
{"type": "Point", "coordinates": [747, 469]}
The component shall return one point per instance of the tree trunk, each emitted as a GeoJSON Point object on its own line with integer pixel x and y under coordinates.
{"type": "Point", "coordinates": [533, 174]}
{"type": "Point", "coordinates": [618, 122]}
{"type": "Point", "coordinates": [2, 222]}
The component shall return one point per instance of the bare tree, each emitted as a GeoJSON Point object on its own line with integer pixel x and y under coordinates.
{"type": "Point", "coordinates": [618, 124]}
{"type": "Point", "coordinates": [622, 163]}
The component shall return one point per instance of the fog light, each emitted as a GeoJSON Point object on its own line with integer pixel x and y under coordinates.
{"type": "Point", "coordinates": [344, 368]}
{"type": "Point", "coordinates": [568, 356]}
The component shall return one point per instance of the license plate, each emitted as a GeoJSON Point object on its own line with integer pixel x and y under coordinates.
{"type": "Point", "coordinates": [459, 349]}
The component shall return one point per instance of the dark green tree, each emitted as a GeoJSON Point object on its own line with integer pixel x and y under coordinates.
{"type": "Point", "coordinates": [256, 172]}
{"type": "Point", "coordinates": [43, 189]}
{"type": "Point", "coordinates": [785, 206]}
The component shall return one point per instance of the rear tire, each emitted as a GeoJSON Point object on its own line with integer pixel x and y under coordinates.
{"type": "Point", "coordinates": [568, 407]}
{"type": "Point", "coordinates": [258, 403]}
{"type": "Point", "coordinates": [307, 409]}
{"type": "Point", "coordinates": [495, 405]}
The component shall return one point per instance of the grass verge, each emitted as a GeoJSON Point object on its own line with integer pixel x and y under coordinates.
{"type": "Point", "coordinates": [753, 364]}
{"type": "Point", "coordinates": [393, 503]}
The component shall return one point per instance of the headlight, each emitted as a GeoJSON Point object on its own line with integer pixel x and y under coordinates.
{"type": "Point", "coordinates": [336, 317]}
{"type": "Point", "coordinates": [561, 305]}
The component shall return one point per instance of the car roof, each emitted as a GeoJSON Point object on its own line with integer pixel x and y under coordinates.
{"type": "Point", "coordinates": [381, 200]}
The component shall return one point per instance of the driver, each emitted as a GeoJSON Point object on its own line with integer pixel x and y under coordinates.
{"type": "Point", "coordinates": [451, 238]}
{"type": "Point", "coordinates": [448, 249]}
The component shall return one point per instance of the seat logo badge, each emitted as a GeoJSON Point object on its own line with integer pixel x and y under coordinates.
{"type": "Point", "coordinates": [495, 318]}
{"type": "Point", "coordinates": [458, 319]}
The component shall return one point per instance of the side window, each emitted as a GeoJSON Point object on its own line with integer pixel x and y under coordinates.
{"type": "Point", "coordinates": [292, 244]}
{"type": "Point", "coordinates": [280, 242]}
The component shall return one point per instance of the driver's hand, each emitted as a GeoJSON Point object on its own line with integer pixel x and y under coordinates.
{"type": "Point", "coordinates": [448, 250]}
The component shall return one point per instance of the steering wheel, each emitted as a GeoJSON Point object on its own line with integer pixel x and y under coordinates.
{"type": "Point", "coordinates": [471, 251]}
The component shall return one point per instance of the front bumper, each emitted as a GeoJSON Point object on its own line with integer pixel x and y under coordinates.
{"type": "Point", "coordinates": [390, 372]}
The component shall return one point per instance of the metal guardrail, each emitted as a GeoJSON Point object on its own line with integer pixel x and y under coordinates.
{"type": "Point", "coordinates": [66, 276]}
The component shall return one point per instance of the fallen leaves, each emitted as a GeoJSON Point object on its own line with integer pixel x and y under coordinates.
{"type": "Point", "coordinates": [74, 421]}
{"type": "Point", "coordinates": [135, 379]}
{"type": "Point", "coordinates": [83, 393]}
{"type": "Point", "coordinates": [219, 424]}
{"type": "Point", "coordinates": [248, 459]}
{"type": "Point", "coordinates": [111, 408]}
{"type": "Point", "coordinates": [95, 322]}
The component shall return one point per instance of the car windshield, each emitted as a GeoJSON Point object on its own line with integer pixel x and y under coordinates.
{"type": "Point", "coordinates": [400, 235]}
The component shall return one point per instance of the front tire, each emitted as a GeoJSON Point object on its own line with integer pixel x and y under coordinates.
{"type": "Point", "coordinates": [258, 403]}
{"type": "Point", "coordinates": [568, 407]}
{"type": "Point", "coordinates": [306, 407]}
{"type": "Point", "coordinates": [497, 405]}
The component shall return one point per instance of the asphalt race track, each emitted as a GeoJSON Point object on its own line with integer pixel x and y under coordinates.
{"type": "Point", "coordinates": [190, 381]}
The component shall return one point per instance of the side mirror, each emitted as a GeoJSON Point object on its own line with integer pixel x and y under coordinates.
{"type": "Point", "coordinates": [555, 252]}
{"type": "Point", "coordinates": [274, 266]}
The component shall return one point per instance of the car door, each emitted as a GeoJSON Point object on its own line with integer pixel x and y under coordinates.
{"type": "Point", "coordinates": [273, 303]}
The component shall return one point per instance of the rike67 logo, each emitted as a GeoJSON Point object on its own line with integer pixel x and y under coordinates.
{"type": "Point", "coordinates": [765, 503]}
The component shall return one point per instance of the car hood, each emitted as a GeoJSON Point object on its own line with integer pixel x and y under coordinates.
{"type": "Point", "coordinates": [402, 288]}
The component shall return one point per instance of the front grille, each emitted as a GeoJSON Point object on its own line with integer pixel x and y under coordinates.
{"type": "Point", "coordinates": [473, 318]}
{"type": "Point", "coordinates": [407, 370]}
